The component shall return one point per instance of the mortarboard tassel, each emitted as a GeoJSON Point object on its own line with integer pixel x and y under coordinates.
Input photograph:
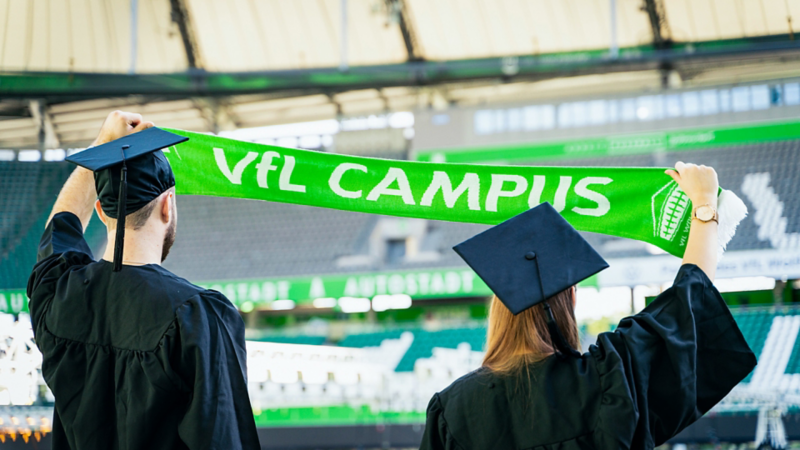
{"type": "Point", "coordinates": [555, 334]}
{"type": "Point", "coordinates": [121, 213]}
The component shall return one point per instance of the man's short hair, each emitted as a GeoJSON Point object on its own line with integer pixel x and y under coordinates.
{"type": "Point", "coordinates": [138, 219]}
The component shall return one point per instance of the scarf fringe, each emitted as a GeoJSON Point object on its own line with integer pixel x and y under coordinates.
{"type": "Point", "coordinates": [731, 210]}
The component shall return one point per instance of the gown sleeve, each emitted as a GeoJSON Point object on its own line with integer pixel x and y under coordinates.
{"type": "Point", "coordinates": [61, 249]}
{"type": "Point", "coordinates": [436, 435]}
{"type": "Point", "coordinates": [212, 361]}
{"type": "Point", "coordinates": [665, 367]}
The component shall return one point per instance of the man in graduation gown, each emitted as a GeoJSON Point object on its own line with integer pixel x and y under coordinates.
{"type": "Point", "coordinates": [637, 387]}
{"type": "Point", "coordinates": [136, 357]}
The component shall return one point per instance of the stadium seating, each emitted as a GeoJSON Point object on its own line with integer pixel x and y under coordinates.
{"type": "Point", "coordinates": [30, 189]}
{"type": "Point", "coordinates": [426, 341]}
{"type": "Point", "coordinates": [391, 375]}
{"type": "Point", "coordinates": [369, 339]}
{"type": "Point", "coordinates": [423, 344]}
{"type": "Point", "coordinates": [755, 325]}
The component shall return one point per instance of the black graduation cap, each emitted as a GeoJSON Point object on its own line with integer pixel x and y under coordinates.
{"type": "Point", "coordinates": [129, 173]}
{"type": "Point", "coordinates": [531, 257]}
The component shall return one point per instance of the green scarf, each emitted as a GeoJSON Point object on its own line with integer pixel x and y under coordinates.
{"type": "Point", "coordinates": [638, 203]}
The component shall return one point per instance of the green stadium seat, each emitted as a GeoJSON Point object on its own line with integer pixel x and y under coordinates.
{"type": "Point", "coordinates": [30, 189]}
{"type": "Point", "coordinates": [304, 340]}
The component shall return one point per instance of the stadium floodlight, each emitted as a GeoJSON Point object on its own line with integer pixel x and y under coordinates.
{"type": "Point", "coordinates": [742, 284]}
{"type": "Point", "coordinates": [377, 122]}
{"type": "Point", "coordinates": [324, 302]}
{"type": "Point", "coordinates": [355, 124]}
{"type": "Point", "coordinates": [354, 304]}
{"type": "Point", "coordinates": [401, 119]}
{"type": "Point", "coordinates": [279, 305]}
{"type": "Point", "coordinates": [56, 154]}
{"type": "Point", "coordinates": [318, 127]}
{"type": "Point", "coordinates": [313, 141]}
{"type": "Point", "coordinates": [289, 141]}
{"type": "Point", "coordinates": [29, 155]}
{"type": "Point", "coordinates": [383, 302]}
{"type": "Point", "coordinates": [401, 301]}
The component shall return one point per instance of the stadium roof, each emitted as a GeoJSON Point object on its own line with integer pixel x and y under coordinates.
{"type": "Point", "coordinates": [247, 35]}
{"type": "Point", "coordinates": [211, 66]}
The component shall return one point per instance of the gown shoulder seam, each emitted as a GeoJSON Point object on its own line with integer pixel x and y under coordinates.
{"type": "Point", "coordinates": [441, 416]}
{"type": "Point", "coordinates": [95, 344]}
{"type": "Point", "coordinates": [170, 325]}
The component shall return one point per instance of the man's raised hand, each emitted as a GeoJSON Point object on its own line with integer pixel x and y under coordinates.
{"type": "Point", "coordinates": [119, 124]}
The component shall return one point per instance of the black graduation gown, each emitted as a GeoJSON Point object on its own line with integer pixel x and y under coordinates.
{"type": "Point", "coordinates": [137, 359]}
{"type": "Point", "coordinates": [637, 387]}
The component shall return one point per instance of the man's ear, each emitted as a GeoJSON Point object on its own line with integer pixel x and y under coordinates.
{"type": "Point", "coordinates": [166, 207]}
{"type": "Point", "coordinates": [99, 210]}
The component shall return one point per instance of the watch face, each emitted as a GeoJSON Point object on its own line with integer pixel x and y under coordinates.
{"type": "Point", "coordinates": [704, 213]}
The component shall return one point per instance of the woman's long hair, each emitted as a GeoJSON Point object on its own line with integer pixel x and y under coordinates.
{"type": "Point", "coordinates": [513, 342]}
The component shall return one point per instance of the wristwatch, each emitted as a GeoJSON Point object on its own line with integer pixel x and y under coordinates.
{"type": "Point", "coordinates": [705, 213]}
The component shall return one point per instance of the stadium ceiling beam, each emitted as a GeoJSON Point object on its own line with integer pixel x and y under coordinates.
{"type": "Point", "coordinates": [398, 10]}
{"type": "Point", "coordinates": [59, 87]}
{"type": "Point", "coordinates": [47, 133]}
{"type": "Point", "coordinates": [658, 23]}
{"type": "Point", "coordinates": [180, 15]}
{"type": "Point", "coordinates": [216, 113]}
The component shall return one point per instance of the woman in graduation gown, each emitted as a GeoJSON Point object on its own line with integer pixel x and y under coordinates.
{"type": "Point", "coordinates": [637, 387]}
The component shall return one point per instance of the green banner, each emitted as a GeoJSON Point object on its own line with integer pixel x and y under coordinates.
{"type": "Point", "coordinates": [303, 290]}
{"type": "Point", "coordinates": [637, 203]}
{"type": "Point", "coordinates": [677, 140]}
{"type": "Point", "coordinates": [13, 301]}
{"type": "Point", "coordinates": [419, 284]}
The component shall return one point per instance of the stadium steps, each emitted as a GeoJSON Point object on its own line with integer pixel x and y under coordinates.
{"type": "Point", "coordinates": [423, 344]}
{"type": "Point", "coordinates": [371, 339]}
{"type": "Point", "coordinates": [425, 341]}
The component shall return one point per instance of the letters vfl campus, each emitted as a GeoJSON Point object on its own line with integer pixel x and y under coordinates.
{"type": "Point", "coordinates": [346, 181]}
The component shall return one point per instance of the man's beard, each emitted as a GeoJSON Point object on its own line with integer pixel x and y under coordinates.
{"type": "Point", "coordinates": [169, 238]}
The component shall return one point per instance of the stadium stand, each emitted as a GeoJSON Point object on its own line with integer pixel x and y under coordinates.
{"type": "Point", "coordinates": [389, 368]}
{"type": "Point", "coordinates": [423, 344]}
{"type": "Point", "coordinates": [426, 341]}
{"type": "Point", "coordinates": [370, 339]}
{"type": "Point", "coordinates": [32, 189]}
{"type": "Point", "coordinates": [781, 160]}
{"type": "Point", "coordinates": [755, 325]}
